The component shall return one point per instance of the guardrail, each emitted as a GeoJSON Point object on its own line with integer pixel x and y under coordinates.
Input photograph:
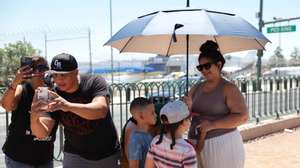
{"type": "Point", "coordinates": [266, 98]}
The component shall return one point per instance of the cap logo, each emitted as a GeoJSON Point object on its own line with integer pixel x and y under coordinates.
{"type": "Point", "coordinates": [57, 64]}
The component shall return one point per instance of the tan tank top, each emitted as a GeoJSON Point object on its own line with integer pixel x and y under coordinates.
{"type": "Point", "coordinates": [209, 106]}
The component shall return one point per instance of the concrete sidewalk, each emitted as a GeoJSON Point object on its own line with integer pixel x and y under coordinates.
{"type": "Point", "coordinates": [252, 130]}
{"type": "Point", "coordinates": [273, 143]}
{"type": "Point", "coordinates": [279, 150]}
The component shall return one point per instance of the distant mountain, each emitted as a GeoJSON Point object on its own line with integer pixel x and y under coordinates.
{"type": "Point", "coordinates": [84, 66]}
{"type": "Point", "coordinates": [241, 60]}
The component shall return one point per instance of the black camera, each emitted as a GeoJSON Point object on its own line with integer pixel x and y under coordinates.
{"type": "Point", "coordinates": [26, 61]}
{"type": "Point", "coordinates": [48, 80]}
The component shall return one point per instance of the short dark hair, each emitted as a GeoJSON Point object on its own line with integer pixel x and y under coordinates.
{"type": "Point", "coordinates": [139, 102]}
{"type": "Point", "coordinates": [210, 50]}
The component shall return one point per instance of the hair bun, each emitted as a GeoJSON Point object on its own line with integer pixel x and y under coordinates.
{"type": "Point", "coordinates": [209, 46]}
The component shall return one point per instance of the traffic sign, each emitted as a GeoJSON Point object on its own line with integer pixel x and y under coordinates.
{"type": "Point", "coordinates": [281, 29]}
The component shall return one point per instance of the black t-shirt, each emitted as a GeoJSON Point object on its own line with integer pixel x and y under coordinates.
{"type": "Point", "coordinates": [20, 144]}
{"type": "Point", "coordinates": [91, 139]}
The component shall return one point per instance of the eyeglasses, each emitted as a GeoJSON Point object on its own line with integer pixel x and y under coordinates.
{"type": "Point", "coordinates": [206, 66]}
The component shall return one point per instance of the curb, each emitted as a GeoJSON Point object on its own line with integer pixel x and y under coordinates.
{"type": "Point", "coordinates": [266, 127]}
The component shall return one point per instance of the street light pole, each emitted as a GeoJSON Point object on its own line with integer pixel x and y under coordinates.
{"type": "Point", "coordinates": [90, 51]}
{"type": "Point", "coordinates": [111, 49]}
{"type": "Point", "coordinates": [45, 36]}
{"type": "Point", "coordinates": [259, 52]}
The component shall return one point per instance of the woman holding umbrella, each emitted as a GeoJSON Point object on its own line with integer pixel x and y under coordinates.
{"type": "Point", "coordinates": [218, 108]}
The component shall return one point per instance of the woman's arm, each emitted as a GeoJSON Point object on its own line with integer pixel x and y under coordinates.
{"type": "Point", "coordinates": [237, 107]}
{"type": "Point", "coordinates": [12, 96]}
{"type": "Point", "coordinates": [188, 100]}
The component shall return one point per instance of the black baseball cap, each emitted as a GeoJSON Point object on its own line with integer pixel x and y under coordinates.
{"type": "Point", "coordinates": [63, 63]}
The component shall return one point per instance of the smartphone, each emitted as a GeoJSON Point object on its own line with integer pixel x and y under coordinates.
{"type": "Point", "coordinates": [197, 132]}
{"type": "Point", "coordinates": [26, 61]}
{"type": "Point", "coordinates": [42, 94]}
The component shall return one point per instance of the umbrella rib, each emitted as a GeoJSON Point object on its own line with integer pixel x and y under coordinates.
{"type": "Point", "coordinates": [126, 44]}
{"type": "Point", "coordinates": [169, 46]}
{"type": "Point", "coordinates": [215, 38]}
{"type": "Point", "coordinates": [260, 44]}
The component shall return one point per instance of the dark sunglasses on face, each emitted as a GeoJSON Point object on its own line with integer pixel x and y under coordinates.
{"type": "Point", "coordinates": [205, 66]}
{"type": "Point", "coordinates": [40, 68]}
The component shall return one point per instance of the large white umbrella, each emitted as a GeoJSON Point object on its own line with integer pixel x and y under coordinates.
{"type": "Point", "coordinates": [173, 32]}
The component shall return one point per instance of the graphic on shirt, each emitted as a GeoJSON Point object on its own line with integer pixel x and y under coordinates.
{"type": "Point", "coordinates": [77, 124]}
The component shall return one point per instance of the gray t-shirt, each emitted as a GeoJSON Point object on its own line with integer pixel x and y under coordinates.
{"type": "Point", "coordinates": [139, 144]}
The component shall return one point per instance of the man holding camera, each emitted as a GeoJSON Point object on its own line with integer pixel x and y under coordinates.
{"type": "Point", "coordinates": [81, 105]}
{"type": "Point", "coordinates": [21, 148]}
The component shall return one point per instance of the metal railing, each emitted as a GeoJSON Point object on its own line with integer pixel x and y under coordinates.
{"type": "Point", "coordinates": [266, 98]}
{"type": "Point", "coordinates": [271, 97]}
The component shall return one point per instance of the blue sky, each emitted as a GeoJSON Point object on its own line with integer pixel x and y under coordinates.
{"type": "Point", "coordinates": [29, 19]}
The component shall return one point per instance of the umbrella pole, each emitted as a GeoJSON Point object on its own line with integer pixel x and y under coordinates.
{"type": "Point", "coordinates": [187, 64]}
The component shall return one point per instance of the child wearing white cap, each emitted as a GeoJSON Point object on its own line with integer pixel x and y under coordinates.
{"type": "Point", "coordinates": [169, 149]}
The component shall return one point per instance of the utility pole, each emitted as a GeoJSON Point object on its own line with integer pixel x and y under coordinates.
{"type": "Point", "coordinates": [90, 51]}
{"type": "Point", "coordinates": [187, 55]}
{"type": "Point", "coordinates": [111, 49]}
{"type": "Point", "coordinates": [45, 36]}
{"type": "Point", "coordinates": [279, 33]}
{"type": "Point", "coordinates": [47, 40]}
{"type": "Point", "coordinates": [260, 52]}
{"type": "Point", "coordinates": [261, 24]}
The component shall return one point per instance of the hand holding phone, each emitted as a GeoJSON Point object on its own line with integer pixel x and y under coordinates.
{"type": "Point", "coordinates": [42, 94]}
{"type": "Point", "coordinates": [26, 68]}
{"type": "Point", "coordinates": [26, 61]}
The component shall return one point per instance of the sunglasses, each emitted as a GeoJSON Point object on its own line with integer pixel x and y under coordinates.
{"type": "Point", "coordinates": [206, 66]}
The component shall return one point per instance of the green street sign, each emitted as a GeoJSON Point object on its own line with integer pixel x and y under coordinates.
{"type": "Point", "coordinates": [281, 29]}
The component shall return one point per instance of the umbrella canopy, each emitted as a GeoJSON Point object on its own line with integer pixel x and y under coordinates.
{"type": "Point", "coordinates": [155, 33]}
{"type": "Point", "coordinates": [173, 32]}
